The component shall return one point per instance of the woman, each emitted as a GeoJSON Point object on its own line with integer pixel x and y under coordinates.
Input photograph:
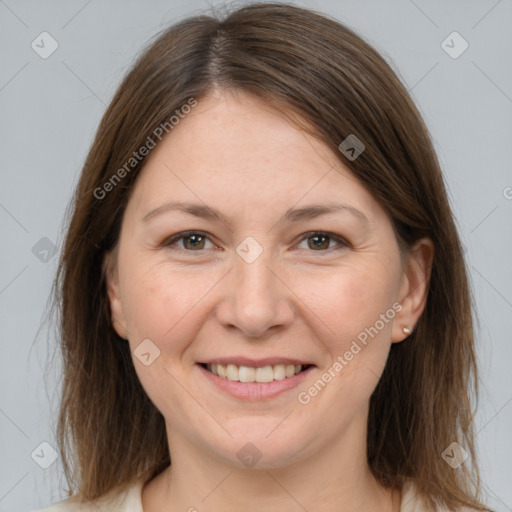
{"type": "Point", "coordinates": [264, 302]}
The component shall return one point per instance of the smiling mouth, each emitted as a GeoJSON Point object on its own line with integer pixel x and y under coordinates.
{"type": "Point", "coordinates": [262, 374]}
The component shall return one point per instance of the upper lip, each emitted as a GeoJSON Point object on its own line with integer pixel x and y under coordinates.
{"type": "Point", "coordinates": [255, 363]}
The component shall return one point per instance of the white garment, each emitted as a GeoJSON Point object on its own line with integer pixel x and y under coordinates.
{"type": "Point", "coordinates": [130, 501]}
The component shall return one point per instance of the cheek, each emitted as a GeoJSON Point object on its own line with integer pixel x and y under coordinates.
{"type": "Point", "coordinates": [162, 303]}
{"type": "Point", "coordinates": [164, 306]}
{"type": "Point", "coordinates": [357, 306]}
{"type": "Point", "coordinates": [356, 303]}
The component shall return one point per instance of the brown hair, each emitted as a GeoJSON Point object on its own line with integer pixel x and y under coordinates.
{"type": "Point", "coordinates": [109, 432]}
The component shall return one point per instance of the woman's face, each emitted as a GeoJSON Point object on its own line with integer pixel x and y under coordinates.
{"type": "Point", "coordinates": [269, 282]}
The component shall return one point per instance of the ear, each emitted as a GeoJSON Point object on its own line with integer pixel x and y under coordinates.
{"type": "Point", "coordinates": [112, 283]}
{"type": "Point", "coordinates": [414, 287]}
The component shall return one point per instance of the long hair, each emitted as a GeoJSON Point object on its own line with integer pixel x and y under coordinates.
{"type": "Point", "coordinates": [109, 432]}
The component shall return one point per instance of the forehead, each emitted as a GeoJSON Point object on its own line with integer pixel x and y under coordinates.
{"type": "Point", "coordinates": [234, 147]}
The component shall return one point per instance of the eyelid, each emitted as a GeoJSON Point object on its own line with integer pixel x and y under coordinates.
{"type": "Point", "coordinates": [342, 242]}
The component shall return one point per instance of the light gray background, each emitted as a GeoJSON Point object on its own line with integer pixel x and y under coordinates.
{"type": "Point", "coordinates": [50, 109]}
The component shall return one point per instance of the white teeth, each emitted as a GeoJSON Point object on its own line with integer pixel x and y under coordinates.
{"type": "Point", "coordinates": [265, 374]}
{"type": "Point", "coordinates": [279, 372]}
{"type": "Point", "coordinates": [246, 374]}
{"type": "Point", "coordinates": [250, 374]}
{"type": "Point", "coordinates": [231, 372]}
{"type": "Point", "coordinates": [289, 370]}
{"type": "Point", "coordinates": [221, 370]}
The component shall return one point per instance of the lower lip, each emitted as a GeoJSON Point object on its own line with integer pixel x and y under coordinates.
{"type": "Point", "coordinates": [255, 390]}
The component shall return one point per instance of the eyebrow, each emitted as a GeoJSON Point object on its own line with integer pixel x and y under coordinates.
{"type": "Point", "coordinates": [291, 215]}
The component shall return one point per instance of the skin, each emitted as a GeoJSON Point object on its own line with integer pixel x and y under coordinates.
{"type": "Point", "coordinates": [241, 157]}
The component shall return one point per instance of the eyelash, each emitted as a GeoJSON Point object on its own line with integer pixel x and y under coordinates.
{"type": "Point", "coordinates": [187, 234]}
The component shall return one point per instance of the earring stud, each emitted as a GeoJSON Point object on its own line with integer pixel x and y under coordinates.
{"type": "Point", "coordinates": [406, 330]}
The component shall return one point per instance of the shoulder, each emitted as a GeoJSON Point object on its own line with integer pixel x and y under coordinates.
{"type": "Point", "coordinates": [413, 500]}
{"type": "Point", "coordinates": [128, 500]}
{"type": "Point", "coordinates": [70, 505]}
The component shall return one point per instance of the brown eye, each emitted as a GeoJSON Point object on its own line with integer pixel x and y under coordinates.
{"type": "Point", "coordinates": [192, 241]}
{"type": "Point", "coordinates": [320, 241]}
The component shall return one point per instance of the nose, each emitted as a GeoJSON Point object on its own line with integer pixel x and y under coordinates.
{"type": "Point", "coordinates": [256, 300]}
